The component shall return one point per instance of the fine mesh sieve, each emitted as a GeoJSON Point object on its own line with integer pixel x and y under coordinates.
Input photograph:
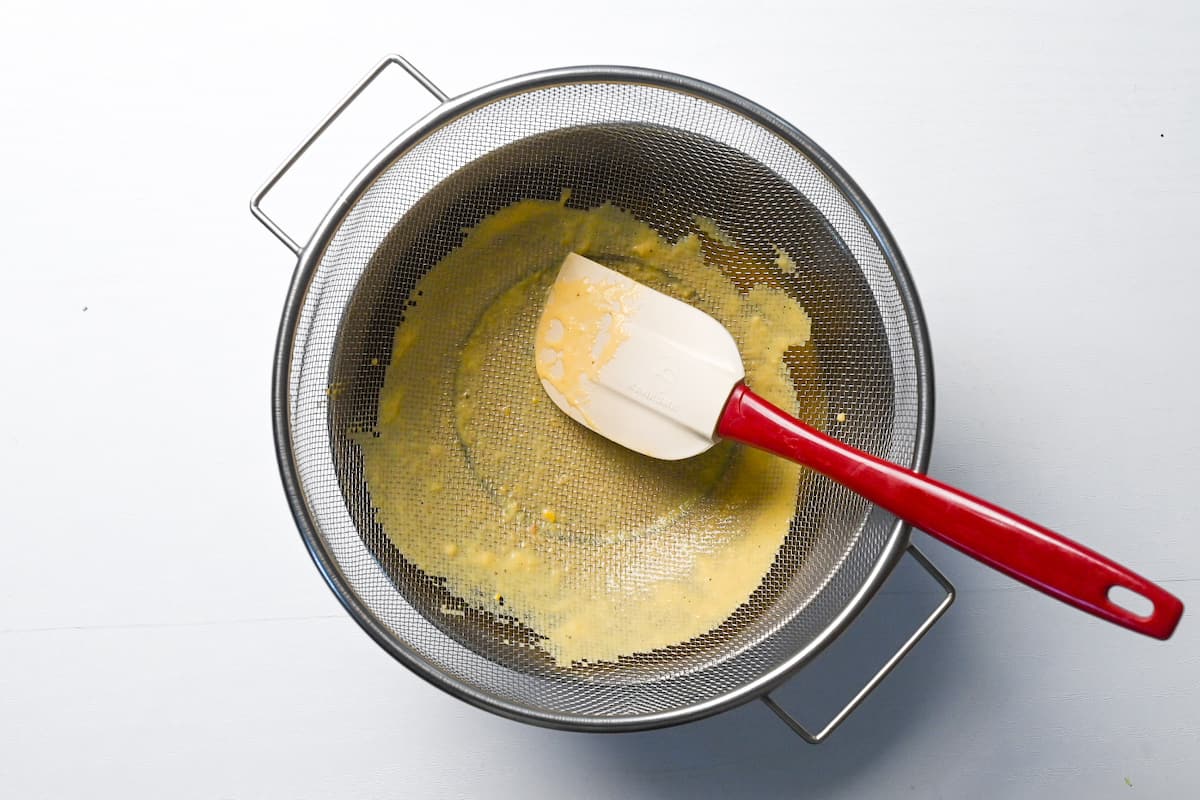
{"type": "Point", "coordinates": [666, 149]}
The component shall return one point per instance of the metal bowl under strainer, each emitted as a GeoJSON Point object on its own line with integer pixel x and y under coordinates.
{"type": "Point", "coordinates": [665, 148]}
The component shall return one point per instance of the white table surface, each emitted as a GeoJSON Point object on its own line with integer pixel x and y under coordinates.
{"type": "Point", "coordinates": [162, 631]}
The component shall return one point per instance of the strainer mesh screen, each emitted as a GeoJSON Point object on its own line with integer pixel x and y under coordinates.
{"type": "Point", "coordinates": [666, 156]}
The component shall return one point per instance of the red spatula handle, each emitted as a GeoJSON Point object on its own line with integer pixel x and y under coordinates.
{"type": "Point", "coordinates": [1015, 546]}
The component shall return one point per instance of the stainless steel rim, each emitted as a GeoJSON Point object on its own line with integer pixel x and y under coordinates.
{"type": "Point", "coordinates": [311, 254]}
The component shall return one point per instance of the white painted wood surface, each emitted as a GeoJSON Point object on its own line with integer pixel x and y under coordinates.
{"type": "Point", "coordinates": [162, 632]}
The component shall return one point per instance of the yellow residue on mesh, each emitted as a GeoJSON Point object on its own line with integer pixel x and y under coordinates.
{"type": "Point", "coordinates": [785, 262]}
{"type": "Point", "coordinates": [483, 483]}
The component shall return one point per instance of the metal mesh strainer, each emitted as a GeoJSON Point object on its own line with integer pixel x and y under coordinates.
{"type": "Point", "coordinates": [666, 149]}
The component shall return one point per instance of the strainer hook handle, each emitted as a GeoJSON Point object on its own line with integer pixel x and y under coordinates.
{"type": "Point", "coordinates": [820, 736]}
{"type": "Point", "coordinates": [351, 96]}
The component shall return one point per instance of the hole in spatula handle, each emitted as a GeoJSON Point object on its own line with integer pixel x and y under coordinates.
{"type": "Point", "coordinates": [1134, 603]}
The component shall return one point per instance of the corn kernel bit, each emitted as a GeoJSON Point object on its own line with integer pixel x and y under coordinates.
{"type": "Point", "coordinates": [841, 417]}
{"type": "Point", "coordinates": [374, 362]}
{"type": "Point", "coordinates": [549, 515]}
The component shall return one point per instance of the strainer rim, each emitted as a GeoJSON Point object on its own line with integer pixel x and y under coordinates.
{"type": "Point", "coordinates": [310, 257]}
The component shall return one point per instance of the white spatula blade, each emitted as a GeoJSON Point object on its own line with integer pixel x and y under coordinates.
{"type": "Point", "coordinates": [662, 389]}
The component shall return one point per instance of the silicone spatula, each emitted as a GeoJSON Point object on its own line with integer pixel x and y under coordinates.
{"type": "Point", "coordinates": [665, 379]}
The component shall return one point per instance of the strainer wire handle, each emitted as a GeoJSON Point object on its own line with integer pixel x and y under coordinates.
{"type": "Point", "coordinates": [256, 201]}
{"type": "Point", "coordinates": [889, 665]}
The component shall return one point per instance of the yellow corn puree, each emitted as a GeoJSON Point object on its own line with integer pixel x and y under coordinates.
{"type": "Point", "coordinates": [481, 481]}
